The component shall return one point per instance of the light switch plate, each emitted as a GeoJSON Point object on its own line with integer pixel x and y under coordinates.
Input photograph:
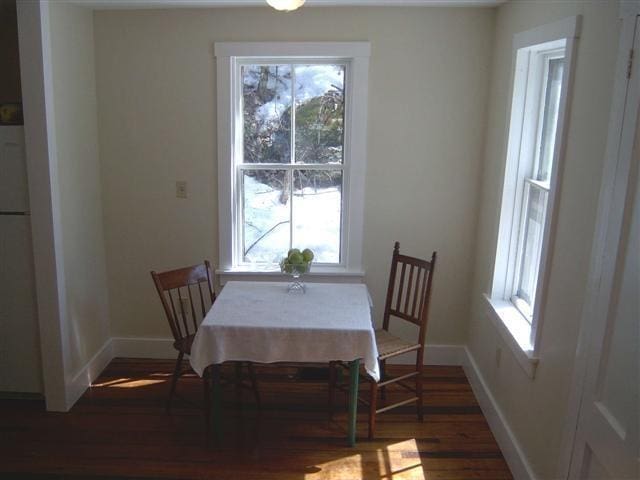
{"type": "Point", "coordinates": [181, 189]}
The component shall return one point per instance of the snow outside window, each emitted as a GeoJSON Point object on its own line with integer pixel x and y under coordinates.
{"type": "Point", "coordinates": [291, 153]}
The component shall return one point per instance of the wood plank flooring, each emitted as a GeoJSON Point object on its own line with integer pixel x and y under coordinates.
{"type": "Point", "coordinates": [119, 430]}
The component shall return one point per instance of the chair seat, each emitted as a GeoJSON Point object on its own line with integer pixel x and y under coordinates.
{"type": "Point", "coordinates": [184, 344]}
{"type": "Point", "coordinates": [389, 345]}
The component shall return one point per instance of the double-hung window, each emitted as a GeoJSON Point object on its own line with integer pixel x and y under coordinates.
{"type": "Point", "coordinates": [541, 80]}
{"type": "Point", "coordinates": [291, 153]}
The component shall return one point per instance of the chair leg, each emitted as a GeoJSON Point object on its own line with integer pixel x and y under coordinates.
{"type": "Point", "coordinates": [254, 383]}
{"type": "Point", "coordinates": [383, 376]}
{"type": "Point", "coordinates": [174, 380]}
{"type": "Point", "coordinates": [332, 388]}
{"type": "Point", "coordinates": [372, 408]}
{"type": "Point", "coordinates": [419, 392]}
{"type": "Point", "coordinates": [207, 403]}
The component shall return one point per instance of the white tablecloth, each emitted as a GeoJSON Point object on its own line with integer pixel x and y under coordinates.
{"type": "Point", "coordinates": [262, 322]}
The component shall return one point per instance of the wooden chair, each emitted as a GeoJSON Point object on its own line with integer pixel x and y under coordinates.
{"type": "Point", "coordinates": [408, 295]}
{"type": "Point", "coordinates": [187, 294]}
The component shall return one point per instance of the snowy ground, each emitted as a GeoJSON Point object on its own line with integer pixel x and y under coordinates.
{"type": "Point", "coordinates": [316, 223]}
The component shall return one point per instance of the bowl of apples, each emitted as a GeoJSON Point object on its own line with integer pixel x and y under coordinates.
{"type": "Point", "coordinates": [296, 264]}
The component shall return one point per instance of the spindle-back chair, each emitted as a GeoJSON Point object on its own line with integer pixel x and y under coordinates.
{"type": "Point", "coordinates": [408, 295]}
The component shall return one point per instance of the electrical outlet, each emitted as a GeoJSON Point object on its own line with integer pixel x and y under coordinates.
{"type": "Point", "coordinates": [498, 356]}
{"type": "Point", "coordinates": [181, 189]}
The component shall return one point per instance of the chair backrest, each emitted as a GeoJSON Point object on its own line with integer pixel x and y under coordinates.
{"type": "Point", "coordinates": [409, 290]}
{"type": "Point", "coordinates": [186, 295]}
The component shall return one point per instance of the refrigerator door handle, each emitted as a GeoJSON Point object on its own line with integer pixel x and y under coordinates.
{"type": "Point", "coordinates": [26, 214]}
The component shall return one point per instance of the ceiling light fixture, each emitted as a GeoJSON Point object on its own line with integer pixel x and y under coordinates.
{"type": "Point", "coordinates": [286, 5]}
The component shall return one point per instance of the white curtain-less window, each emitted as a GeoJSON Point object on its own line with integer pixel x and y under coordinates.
{"type": "Point", "coordinates": [542, 80]}
{"type": "Point", "coordinates": [547, 68]}
{"type": "Point", "coordinates": [290, 169]}
{"type": "Point", "coordinates": [291, 153]}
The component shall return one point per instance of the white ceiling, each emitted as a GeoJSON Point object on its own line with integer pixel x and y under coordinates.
{"type": "Point", "coordinates": [105, 4]}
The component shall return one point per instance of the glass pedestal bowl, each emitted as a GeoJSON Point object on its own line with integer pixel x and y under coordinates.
{"type": "Point", "coordinates": [296, 285]}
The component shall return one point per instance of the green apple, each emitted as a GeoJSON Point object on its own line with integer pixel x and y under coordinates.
{"type": "Point", "coordinates": [291, 251]}
{"type": "Point", "coordinates": [307, 254]}
{"type": "Point", "coordinates": [296, 258]}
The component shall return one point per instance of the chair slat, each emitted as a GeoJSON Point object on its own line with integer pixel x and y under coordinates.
{"type": "Point", "coordinates": [183, 315]}
{"type": "Point", "coordinates": [193, 310]}
{"type": "Point", "coordinates": [423, 293]}
{"type": "Point", "coordinates": [417, 292]}
{"type": "Point", "coordinates": [401, 287]}
{"type": "Point", "coordinates": [201, 300]}
{"type": "Point", "coordinates": [181, 334]}
{"type": "Point", "coordinates": [409, 286]}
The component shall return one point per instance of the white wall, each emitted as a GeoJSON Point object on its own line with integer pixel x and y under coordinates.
{"type": "Point", "coordinates": [78, 176]}
{"type": "Point", "coordinates": [155, 75]}
{"type": "Point", "coordinates": [535, 409]}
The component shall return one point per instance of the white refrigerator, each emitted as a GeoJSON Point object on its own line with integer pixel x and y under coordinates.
{"type": "Point", "coordinates": [20, 364]}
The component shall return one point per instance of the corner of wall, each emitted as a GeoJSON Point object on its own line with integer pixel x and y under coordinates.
{"type": "Point", "coordinates": [507, 441]}
{"type": "Point", "coordinates": [85, 377]}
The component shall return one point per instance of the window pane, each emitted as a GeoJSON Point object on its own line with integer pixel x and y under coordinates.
{"type": "Point", "coordinates": [266, 95]}
{"type": "Point", "coordinates": [266, 215]}
{"type": "Point", "coordinates": [317, 202]}
{"type": "Point", "coordinates": [319, 95]}
{"type": "Point", "coordinates": [553, 87]}
{"type": "Point", "coordinates": [534, 227]}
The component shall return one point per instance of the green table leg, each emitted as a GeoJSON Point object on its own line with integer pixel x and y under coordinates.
{"type": "Point", "coordinates": [216, 406]}
{"type": "Point", "coordinates": [354, 371]}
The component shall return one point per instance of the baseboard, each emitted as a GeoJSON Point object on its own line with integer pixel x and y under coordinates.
{"type": "Point", "coordinates": [141, 347]}
{"type": "Point", "coordinates": [500, 428]}
{"type": "Point", "coordinates": [434, 355]}
{"type": "Point", "coordinates": [83, 379]}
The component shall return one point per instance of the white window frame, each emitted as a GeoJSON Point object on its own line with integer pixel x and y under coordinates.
{"type": "Point", "coordinates": [519, 326]}
{"type": "Point", "coordinates": [229, 57]}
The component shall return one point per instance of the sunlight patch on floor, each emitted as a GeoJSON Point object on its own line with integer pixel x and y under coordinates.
{"type": "Point", "coordinates": [127, 383]}
{"type": "Point", "coordinates": [394, 462]}
{"type": "Point", "coordinates": [398, 461]}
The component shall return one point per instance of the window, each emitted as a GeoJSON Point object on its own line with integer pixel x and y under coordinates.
{"type": "Point", "coordinates": [291, 165]}
{"type": "Point", "coordinates": [545, 68]}
{"type": "Point", "coordinates": [541, 80]}
{"type": "Point", "coordinates": [291, 152]}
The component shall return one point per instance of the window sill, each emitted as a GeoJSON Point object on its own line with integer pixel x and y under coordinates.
{"type": "Point", "coordinates": [318, 274]}
{"type": "Point", "coordinates": [515, 331]}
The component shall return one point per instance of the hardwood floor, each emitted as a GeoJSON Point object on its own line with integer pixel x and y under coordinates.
{"type": "Point", "coordinates": [119, 429]}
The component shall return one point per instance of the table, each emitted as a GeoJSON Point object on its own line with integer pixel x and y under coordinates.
{"type": "Point", "coordinates": [262, 322]}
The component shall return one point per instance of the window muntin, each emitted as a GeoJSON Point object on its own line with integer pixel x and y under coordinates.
{"type": "Point", "coordinates": [291, 168]}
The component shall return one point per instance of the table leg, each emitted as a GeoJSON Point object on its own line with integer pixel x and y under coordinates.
{"type": "Point", "coordinates": [354, 371]}
{"type": "Point", "coordinates": [216, 407]}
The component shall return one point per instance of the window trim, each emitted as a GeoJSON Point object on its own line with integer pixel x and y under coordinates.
{"type": "Point", "coordinates": [356, 54]}
{"type": "Point", "coordinates": [511, 323]}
